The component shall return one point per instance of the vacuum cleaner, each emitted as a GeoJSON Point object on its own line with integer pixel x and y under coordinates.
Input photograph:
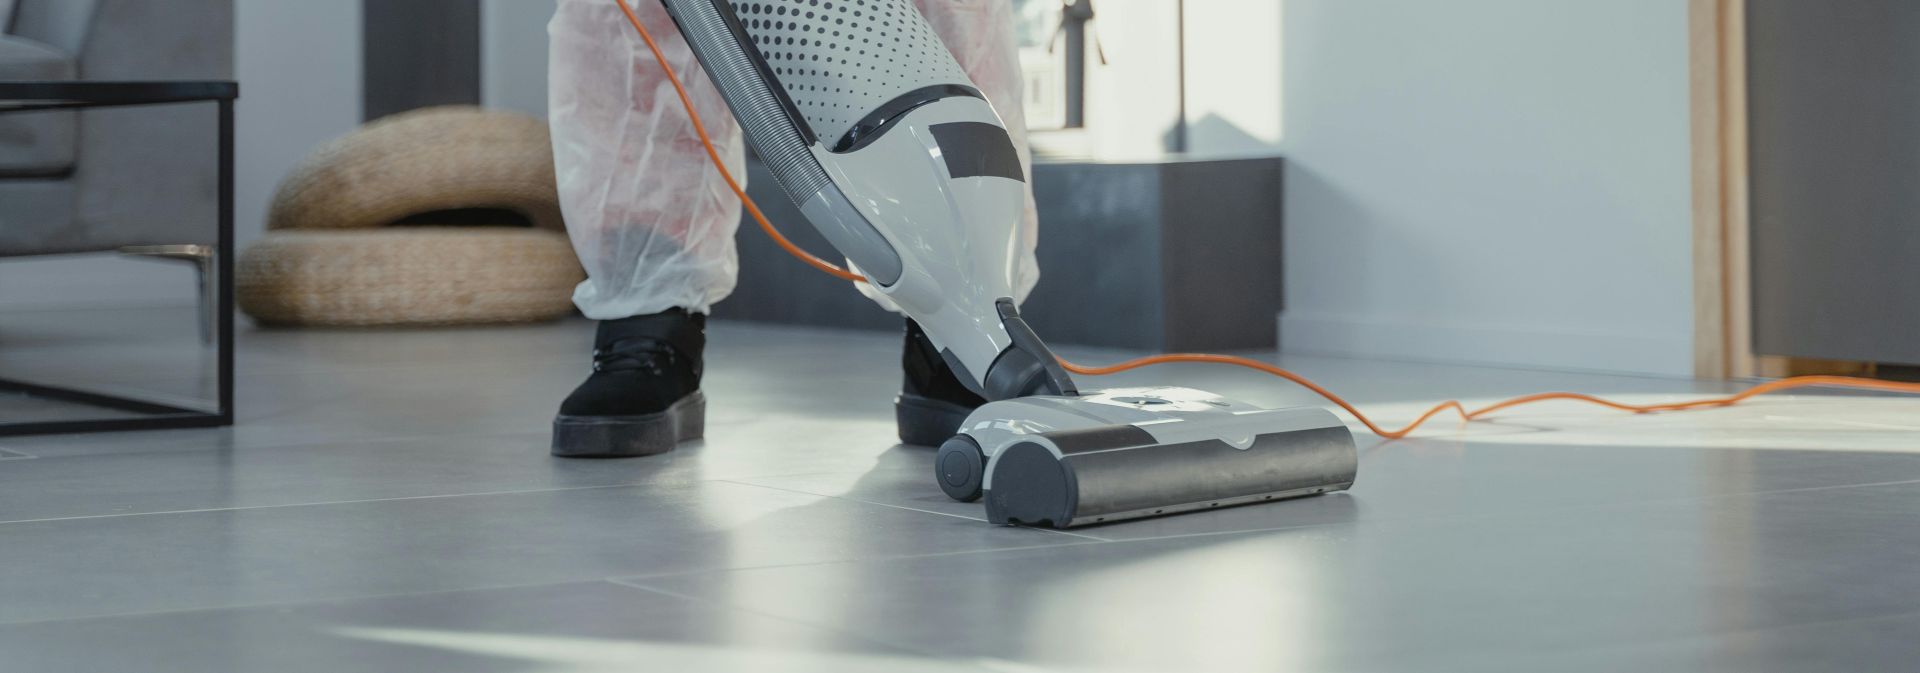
{"type": "Point", "coordinates": [890, 152]}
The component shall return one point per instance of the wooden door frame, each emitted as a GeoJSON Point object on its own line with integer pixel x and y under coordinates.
{"type": "Point", "coordinates": [1722, 277]}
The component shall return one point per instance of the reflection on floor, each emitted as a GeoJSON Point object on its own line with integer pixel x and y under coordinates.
{"type": "Point", "coordinates": [152, 354]}
{"type": "Point", "coordinates": [387, 504]}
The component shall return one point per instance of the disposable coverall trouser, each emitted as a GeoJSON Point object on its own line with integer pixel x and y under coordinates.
{"type": "Point", "coordinates": [652, 221]}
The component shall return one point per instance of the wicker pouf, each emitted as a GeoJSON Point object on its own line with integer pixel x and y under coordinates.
{"type": "Point", "coordinates": [407, 276]}
{"type": "Point", "coordinates": [334, 257]}
{"type": "Point", "coordinates": [433, 159]}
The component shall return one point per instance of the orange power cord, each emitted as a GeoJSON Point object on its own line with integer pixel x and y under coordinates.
{"type": "Point", "coordinates": [699, 127]}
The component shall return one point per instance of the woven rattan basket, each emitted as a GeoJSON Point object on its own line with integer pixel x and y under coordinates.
{"type": "Point", "coordinates": [434, 159]}
{"type": "Point", "coordinates": [407, 276]}
{"type": "Point", "coordinates": [334, 257]}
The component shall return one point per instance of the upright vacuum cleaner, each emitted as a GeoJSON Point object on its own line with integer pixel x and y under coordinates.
{"type": "Point", "coordinates": [870, 126]}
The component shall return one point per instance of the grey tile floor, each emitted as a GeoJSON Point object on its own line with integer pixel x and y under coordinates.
{"type": "Point", "coordinates": [386, 503]}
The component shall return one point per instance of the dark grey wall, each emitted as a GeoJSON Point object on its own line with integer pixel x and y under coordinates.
{"type": "Point", "coordinates": [420, 53]}
{"type": "Point", "coordinates": [1835, 114]}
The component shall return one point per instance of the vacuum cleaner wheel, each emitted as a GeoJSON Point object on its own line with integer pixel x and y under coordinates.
{"type": "Point", "coordinates": [960, 467]}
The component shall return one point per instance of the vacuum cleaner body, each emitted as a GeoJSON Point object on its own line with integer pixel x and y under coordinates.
{"type": "Point", "coordinates": [882, 141]}
{"type": "Point", "coordinates": [880, 138]}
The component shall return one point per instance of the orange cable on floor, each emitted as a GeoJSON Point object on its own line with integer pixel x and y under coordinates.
{"type": "Point", "coordinates": [829, 268]}
{"type": "Point", "coordinates": [1466, 415]}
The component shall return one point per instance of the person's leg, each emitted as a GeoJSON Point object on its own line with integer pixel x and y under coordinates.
{"type": "Point", "coordinates": [655, 234]}
{"type": "Point", "coordinates": [652, 222]}
{"type": "Point", "coordinates": [979, 33]}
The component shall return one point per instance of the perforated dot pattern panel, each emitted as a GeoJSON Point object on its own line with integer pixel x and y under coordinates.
{"type": "Point", "coordinates": [840, 59]}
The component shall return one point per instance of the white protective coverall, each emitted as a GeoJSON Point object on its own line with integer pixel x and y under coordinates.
{"type": "Point", "coordinates": [651, 219]}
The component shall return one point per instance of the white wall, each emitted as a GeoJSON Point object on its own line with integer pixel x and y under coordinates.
{"type": "Point", "coordinates": [1132, 103]}
{"type": "Point", "coordinates": [1498, 181]}
{"type": "Point", "coordinates": [299, 64]}
{"type": "Point", "coordinates": [1233, 71]}
{"type": "Point", "coordinates": [513, 54]}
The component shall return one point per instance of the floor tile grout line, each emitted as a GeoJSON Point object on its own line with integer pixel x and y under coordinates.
{"type": "Point", "coordinates": [538, 439]}
{"type": "Point", "coordinates": [297, 603]}
{"type": "Point", "coordinates": [588, 579]}
{"type": "Point", "coordinates": [1469, 517]}
{"type": "Point", "coordinates": [209, 510]}
{"type": "Point", "coordinates": [1750, 494]}
{"type": "Point", "coordinates": [1083, 536]}
{"type": "Point", "coordinates": [863, 501]}
{"type": "Point", "coordinates": [1828, 487]}
{"type": "Point", "coordinates": [697, 600]}
{"type": "Point", "coordinates": [910, 509]}
{"type": "Point", "coordinates": [1909, 613]}
{"type": "Point", "coordinates": [1902, 614]}
{"type": "Point", "coordinates": [563, 489]}
{"type": "Point", "coordinates": [511, 491]}
{"type": "Point", "coordinates": [874, 559]}
{"type": "Point", "coordinates": [393, 439]}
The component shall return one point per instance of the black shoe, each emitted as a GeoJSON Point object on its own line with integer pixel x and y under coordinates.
{"type": "Point", "coordinates": [644, 394]}
{"type": "Point", "coordinates": [932, 401]}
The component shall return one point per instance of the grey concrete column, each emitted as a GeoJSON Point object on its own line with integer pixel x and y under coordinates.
{"type": "Point", "coordinates": [420, 53]}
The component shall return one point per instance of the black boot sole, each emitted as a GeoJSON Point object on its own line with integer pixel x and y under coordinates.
{"type": "Point", "coordinates": [631, 436]}
{"type": "Point", "coordinates": [925, 421]}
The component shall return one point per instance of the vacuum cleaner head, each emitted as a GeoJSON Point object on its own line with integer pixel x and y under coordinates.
{"type": "Point", "coordinates": [1136, 452]}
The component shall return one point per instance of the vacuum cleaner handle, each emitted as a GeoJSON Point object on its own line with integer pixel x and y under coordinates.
{"type": "Point", "coordinates": [774, 126]}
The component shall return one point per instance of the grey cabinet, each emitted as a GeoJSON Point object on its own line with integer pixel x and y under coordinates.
{"type": "Point", "coordinates": [1835, 139]}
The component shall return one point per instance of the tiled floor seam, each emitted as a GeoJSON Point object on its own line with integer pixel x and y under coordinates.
{"type": "Point", "coordinates": [210, 510]}
{"type": "Point", "coordinates": [530, 491]}
{"type": "Point", "coordinates": [620, 579]}
{"type": "Point", "coordinates": [293, 604]}
{"type": "Point", "coordinates": [537, 442]}
{"type": "Point", "coordinates": [902, 649]}
{"type": "Point", "coordinates": [1483, 516]}
{"type": "Point", "coordinates": [642, 578]}
{"type": "Point", "coordinates": [910, 509]}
